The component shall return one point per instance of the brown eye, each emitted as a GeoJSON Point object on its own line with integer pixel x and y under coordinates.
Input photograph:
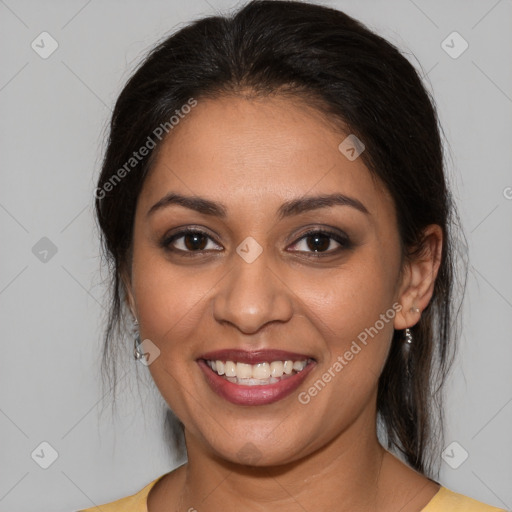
{"type": "Point", "coordinates": [187, 241]}
{"type": "Point", "coordinates": [195, 241]}
{"type": "Point", "coordinates": [320, 241]}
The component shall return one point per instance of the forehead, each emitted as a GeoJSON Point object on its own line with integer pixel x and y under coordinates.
{"type": "Point", "coordinates": [259, 152]}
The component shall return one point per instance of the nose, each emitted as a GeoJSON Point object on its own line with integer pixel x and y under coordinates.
{"type": "Point", "coordinates": [252, 295]}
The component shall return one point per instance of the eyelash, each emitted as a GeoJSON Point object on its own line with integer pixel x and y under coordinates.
{"type": "Point", "coordinates": [343, 240]}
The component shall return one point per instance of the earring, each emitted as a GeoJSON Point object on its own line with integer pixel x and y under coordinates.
{"type": "Point", "coordinates": [408, 335]}
{"type": "Point", "coordinates": [407, 348]}
{"type": "Point", "coordinates": [137, 353]}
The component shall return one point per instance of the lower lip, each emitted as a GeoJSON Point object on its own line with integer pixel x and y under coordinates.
{"type": "Point", "coordinates": [253, 395]}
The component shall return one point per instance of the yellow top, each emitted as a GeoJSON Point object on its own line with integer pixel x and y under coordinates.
{"type": "Point", "coordinates": [444, 501]}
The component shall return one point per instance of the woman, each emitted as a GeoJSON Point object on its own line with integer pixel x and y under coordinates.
{"type": "Point", "coordinates": [274, 205]}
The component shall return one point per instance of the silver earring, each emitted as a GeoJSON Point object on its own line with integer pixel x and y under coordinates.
{"type": "Point", "coordinates": [137, 353]}
{"type": "Point", "coordinates": [408, 335]}
{"type": "Point", "coordinates": [406, 351]}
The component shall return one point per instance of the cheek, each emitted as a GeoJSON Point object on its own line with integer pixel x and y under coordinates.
{"type": "Point", "coordinates": [355, 319]}
{"type": "Point", "coordinates": [353, 308]}
{"type": "Point", "coordinates": [168, 304]}
{"type": "Point", "coordinates": [172, 305]}
{"type": "Point", "coordinates": [169, 298]}
{"type": "Point", "coordinates": [351, 298]}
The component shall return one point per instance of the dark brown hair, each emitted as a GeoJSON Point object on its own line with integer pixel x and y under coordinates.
{"type": "Point", "coordinates": [354, 76]}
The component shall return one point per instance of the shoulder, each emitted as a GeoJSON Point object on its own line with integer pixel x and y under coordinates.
{"type": "Point", "coordinates": [448, 501]}
{"type": "Point", "coordinates": [134, 503]}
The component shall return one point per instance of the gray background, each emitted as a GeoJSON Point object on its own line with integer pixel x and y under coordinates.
{"type": "Point", "coordinates": [54, 113]}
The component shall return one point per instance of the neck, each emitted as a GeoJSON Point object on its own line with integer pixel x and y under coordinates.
{"type": "Point", "coordinates": [344, 476]}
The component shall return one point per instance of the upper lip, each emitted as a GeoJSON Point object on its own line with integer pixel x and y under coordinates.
{"type": "Point", "coordinates": [253, 356]}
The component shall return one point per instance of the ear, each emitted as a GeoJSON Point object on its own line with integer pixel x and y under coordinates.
{"type": "Point", "coordinates": [130, 300]}
{"type": "Point", "coordinates": [419, 278]}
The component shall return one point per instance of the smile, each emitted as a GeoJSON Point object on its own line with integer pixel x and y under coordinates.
{"type": "Point", "coordinates": [258, 374]}
{"type": "Point", "coordinates": [255, 378]}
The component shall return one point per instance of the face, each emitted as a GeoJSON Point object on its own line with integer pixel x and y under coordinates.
{"type": "Point", "coordinates": [266, 275]}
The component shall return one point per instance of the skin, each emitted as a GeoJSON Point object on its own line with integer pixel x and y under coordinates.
{"type": "Point", "coordinates": [252, 155]}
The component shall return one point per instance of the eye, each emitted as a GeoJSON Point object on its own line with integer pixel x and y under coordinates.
{"type": "Point", "coordinates": [188, 241]}
{"type": "Point", "coordinates": [320, 240]}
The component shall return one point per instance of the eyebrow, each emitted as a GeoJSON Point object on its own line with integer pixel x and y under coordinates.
{"type": "Point", "coordinates": [287, 209]}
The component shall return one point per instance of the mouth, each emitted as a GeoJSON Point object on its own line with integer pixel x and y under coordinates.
{"type": "Point", "coordinates": [255, 378]}
{"type": "Point", "coordinates": [259, 374]}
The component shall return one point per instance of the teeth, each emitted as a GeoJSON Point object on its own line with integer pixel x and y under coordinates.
{"type": "Point", "coordinates": [256, 374]}
{"type": "Point", "coordinates": [261, 371]}
{"type": "Point", "coordinates": [299, 365]}
{"type": "Point", "coordinates": [243, 371]}
{"type": "Point", "coordinates": [229, 369]}
{"type": "Point", "coordinates": [288, 367]}
{"type": "Point", "coordinates": [277, 368]}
